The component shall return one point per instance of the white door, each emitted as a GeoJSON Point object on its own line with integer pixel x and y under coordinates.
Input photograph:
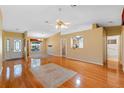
{"type": "Point", "coordinates": [113, 48]}
{"type": "Point", "coordinates": [13, 48]}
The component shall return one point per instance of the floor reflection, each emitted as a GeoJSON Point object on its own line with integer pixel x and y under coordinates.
{"type": "Point", "coordinates": [0, 71]}
{"type": "Point", "coordinates": [7, 73]}
{"type": "Point", "coordinates": [78, 81]}
{"type": "Point", "coordinates": [17, 70]}
{"type": "Point", "coordinates": [35, 62]}
{"type": "Point", "coordinates": [113, 77]}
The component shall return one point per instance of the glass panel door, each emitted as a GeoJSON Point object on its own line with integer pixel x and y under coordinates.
{"type": "Point", "coordinates": [13, 48]}
{"type": "Point", "coordinates": [17, 45]}
{"type": "Point", "coordinates": [8, 45]}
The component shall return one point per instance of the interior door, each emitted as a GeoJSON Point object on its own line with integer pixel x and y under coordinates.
{"type": "Point", "coordinates": [13, 48]}
{"type": "Point", "coordinates": [113, 48]}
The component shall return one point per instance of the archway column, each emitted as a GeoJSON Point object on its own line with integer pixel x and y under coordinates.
{"type": "Point", "coordinates": [122, 47]}
{"type": "Point", "coordinates": [25, 46]}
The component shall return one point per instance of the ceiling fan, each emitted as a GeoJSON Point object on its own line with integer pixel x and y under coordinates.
{"type": "Point", "coordinates": [59, 24]}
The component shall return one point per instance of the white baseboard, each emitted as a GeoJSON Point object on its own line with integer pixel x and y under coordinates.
{"type": "Point", "coordinates": [54, 55]}
{"type": "Point", "coordinates": [78, 60]}
{"type": "Point", "coordinates": [86, 61]}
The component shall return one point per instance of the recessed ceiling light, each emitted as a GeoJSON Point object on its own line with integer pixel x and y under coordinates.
{"type": "Point", "coordinates": [60, 9]}
{"type": "Point", "coordinates": [110, 21]}
{"type": "Point", "coordinates": [17, 29]}
{"type": "Point", "coordinates": [73, 6]}
{"type": "Point", "coordinates": [46, 21]}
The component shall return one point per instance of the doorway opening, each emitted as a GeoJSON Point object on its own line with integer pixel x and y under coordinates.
{"type": "Point", "coordinates": [13, 48]}
{"type": "Point", "coordinates": [35, 48]}
{"type": "Point", "coordinates": [113, 51]}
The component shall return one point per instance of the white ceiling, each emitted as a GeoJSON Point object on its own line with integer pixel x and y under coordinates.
{"type": "Point", "coordinates": [32, 18]}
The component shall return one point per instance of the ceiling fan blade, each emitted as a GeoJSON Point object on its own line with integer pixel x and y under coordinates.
{"type": "Point", "coordinates": [66, 23]}
{"type": "Point", "coordinates": [58, 20]}
{"type": "Point", "coordinates": [57, 27]}
{"type": "Point", "coordinates": [59, 24]}
{"type": "Point", "coordinates": [64, 26]}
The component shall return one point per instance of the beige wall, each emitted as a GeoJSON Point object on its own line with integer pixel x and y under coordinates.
{"type": "Point", "coordinates": [43, 48]}
{"type": "Point", "coordinates": [55, 42]}
{"type": "Point", "coordinates": [113, 30]}
{"type": "Point", "coordinates": [93, 51]}
{"type": "Point", "coordinates": [0, 39]}
{"type": "Point", "coordinates": [13, 34]}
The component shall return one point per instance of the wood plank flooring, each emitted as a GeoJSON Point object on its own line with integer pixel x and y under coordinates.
{"type": "Point", "coordinates": [16, 74]}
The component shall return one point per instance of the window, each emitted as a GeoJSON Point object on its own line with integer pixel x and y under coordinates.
{"type": "Point", "coordinates": [17, 45]}
{"type": "Point", "coordinates": [77, 42]}
{"type": "Point", "coordinates": [113, 41]}
{"type": "Point", "coordinates": [8, 45]}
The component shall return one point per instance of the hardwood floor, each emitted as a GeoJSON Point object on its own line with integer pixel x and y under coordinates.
{"type": "Point", "coordinates": [113, 64]}
{"type": "Point", "coordinates": [16, 74]}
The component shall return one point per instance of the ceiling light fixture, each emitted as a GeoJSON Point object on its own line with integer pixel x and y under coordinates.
{"type": "Point", "coordinates": [73, 6]}
{"type": "Point", "coordinates": [60, 9]}
{"type": "Point", "coordinates": [110, 22]}
{"type": "Point", "coordinates": [17, 29]}
{"type": "Point", "coordinates": [59, 24]}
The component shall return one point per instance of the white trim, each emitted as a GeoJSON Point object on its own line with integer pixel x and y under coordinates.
{"type": "Point", "coordinates": [65, 47]}
{"type": "Point", "coordinates": [85, 61]}
{"type": "Point", "coordinates": [90, 62]}
{"type": "Point", "coordinates": [54, 55]}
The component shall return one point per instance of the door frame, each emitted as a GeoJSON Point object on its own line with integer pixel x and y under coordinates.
{"type": "Point", "coordinates": [61, 45]}
{"type": "Point", "coordinates": [4, 45]}
{"type": "Point", "coordinates": [119, 47]}
{"type": "Point", "coordinates": [32, 54]}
